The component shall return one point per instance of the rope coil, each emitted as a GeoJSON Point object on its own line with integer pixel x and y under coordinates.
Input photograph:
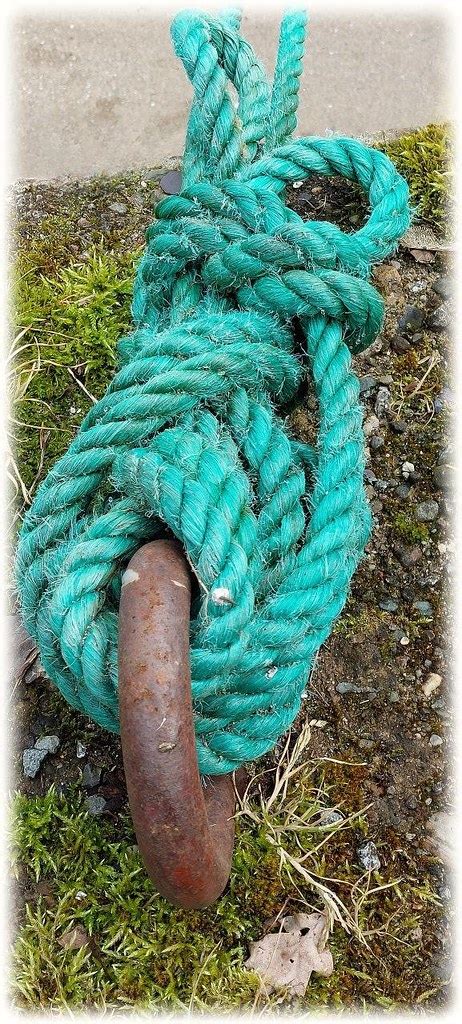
{"type": "Point", "coordinates": [188, 437]}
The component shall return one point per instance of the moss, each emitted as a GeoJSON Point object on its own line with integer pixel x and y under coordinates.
{"type": "Point", "coordinates": [409, 529]}
{"type": "Point", "coordinates": [66, 331]}
{"type": "Point", "coordinates": [142, 952]}
{"type": "Point", "coordinates": [425, 157]}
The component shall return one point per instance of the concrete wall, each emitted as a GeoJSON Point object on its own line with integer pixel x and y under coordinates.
{"type": "Point", "coordinates": [101, 94]}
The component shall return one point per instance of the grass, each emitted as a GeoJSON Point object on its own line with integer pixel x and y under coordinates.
{"type": "Point", "coordinates": [139, 951]}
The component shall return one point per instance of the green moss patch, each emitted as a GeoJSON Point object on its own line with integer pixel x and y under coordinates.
{"type": "Point", "coordinates": [425, 158]}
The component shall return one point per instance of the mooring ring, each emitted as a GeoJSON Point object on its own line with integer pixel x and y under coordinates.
{"type": "Point", "coordinates": [185, 831]}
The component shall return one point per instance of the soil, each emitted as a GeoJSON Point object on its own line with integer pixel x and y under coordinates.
{"type": "Point", "coordinates": [383, 739]}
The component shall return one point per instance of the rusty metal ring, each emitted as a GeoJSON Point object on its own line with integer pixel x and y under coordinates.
{"type": "Point", "coordinates": [185, 831]}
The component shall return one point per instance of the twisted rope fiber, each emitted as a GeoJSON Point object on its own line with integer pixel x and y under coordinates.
{"type": "Point", "coordinates": [188, 439]}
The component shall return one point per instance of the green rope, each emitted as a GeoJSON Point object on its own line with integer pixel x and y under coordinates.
{"type": "Point", "coordinates": [236, 300]}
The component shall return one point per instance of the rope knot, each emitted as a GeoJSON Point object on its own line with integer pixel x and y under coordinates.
{"type": "Point", "coordinates": [234, 296]}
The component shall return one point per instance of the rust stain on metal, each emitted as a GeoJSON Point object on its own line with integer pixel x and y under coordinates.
{"type": "Point", "coordinates": [185, 832]}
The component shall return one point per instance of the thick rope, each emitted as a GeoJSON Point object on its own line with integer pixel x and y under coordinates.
{"type": "Point", "coordinates": [236, 300]}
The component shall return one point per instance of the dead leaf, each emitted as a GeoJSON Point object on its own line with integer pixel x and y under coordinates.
{"type": "Point", "coordinates": [286, 959]}
{"type": "Point", "coordinates": [422, 255]}
{"type": "Point", "coordinates": [421, 236]}
{"type": "Point", "coordinates": [75, 938]}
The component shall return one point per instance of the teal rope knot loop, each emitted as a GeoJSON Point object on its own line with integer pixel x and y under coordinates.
{"type": "Point", "coordinates": [234, 298]}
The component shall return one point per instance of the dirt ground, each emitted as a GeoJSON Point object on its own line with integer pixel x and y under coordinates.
{"type": "Point", "coordinates": [379, 698]}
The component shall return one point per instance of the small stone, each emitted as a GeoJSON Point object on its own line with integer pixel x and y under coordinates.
{"type": "Point", "coordinates": [95, 805]}
{"type": "Point", "coordinates": [406, 469]}
{"type": "Point", "coordinates": [443, 286]}
{"type": "Point", "coordinates": [435, 740]}
{"type": "Point", "coordinates": [367, 383]}
{"type": "Point", "coordinates": [432, 683]}
{"type": "Point", "coordinates": [412, 803]}
{"type": "Point", "coordinates": [118, 207]}
{"type": "Point", "coordinates": [75, 938]}
{"type": "Point", "coordinates": [408, 556]}
{"type": "Point", "coordinates": [388, 604]}
{"type": "Point", "coordinates": [442, 825]}
{"type": "Point", "coordinates": [329, 817]}
{"type": "Point", "coordinates": [427, 511]}
{"type": "Point", "coordinates": [403, 490]}
{"type": "Point", "coordinates": [165, 747]}
{"type": "Point", "coordinates": [50, 744]}
{"type": "Point", "coordinates": [442, 477]}
{"type": "Point", "coordinates": [400, 344]}
{"type": "Point", "coordinates": [347, 688]}
{"type": "Point", "coordinates": [377, 441]}
{"type": "Point", "coordinates": [442, 317]}
{"type": "Point", "coordinates": [382, 401]}
{"type": "Point", "coordinates": [371, 425]}
{"type": "Point", "coordinates": [81, 749]}
{"type": "Point", "coordinates": [424, 608]}
{"type": "Point", "coordinates": [171, 183]}
{"type": "Point", "coordinates": [91, 776]}
{"type": "Point", "coordinates": [368, 856]}
{"type": "Point", "coordinates": [393, 696]}
{"type": "Point", "coordinates": [411, 319]}
{"type": "Point", "coordinates": [32, 760]}
{"type": "Point", "coordinates": [398, 427]}
{"type": "Point", "coordinates": [445, 400]}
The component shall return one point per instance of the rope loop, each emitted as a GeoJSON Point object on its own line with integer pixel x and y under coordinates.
{"type": "Point", "coordinates": [236, 300]}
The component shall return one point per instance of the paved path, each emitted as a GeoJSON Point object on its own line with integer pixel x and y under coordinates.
{"type": "Point", "coordinates": [100, 94]}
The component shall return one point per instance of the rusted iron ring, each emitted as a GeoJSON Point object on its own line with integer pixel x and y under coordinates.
{"type": "Point", "coordinates": [185, 831]}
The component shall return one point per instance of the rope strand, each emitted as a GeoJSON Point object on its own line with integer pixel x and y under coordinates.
{"type": "Point", "coordinates": [188, 438]}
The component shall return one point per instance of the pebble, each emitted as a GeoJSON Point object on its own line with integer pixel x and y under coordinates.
{"type": "Point", "coordinates": [382, 401]}
{"type": "Point", "coordinates": [48, 743]}
{"type": "Point", "coordinates": [91, 776]}
{"type": "Point", "coordinates": [368, 856]}
{"type": "Point", "coordinates": [388, 604]}
{"type": "Point", "coordinates": [398, 427]}
{"type": "Point", "coordinates": [367, 383]}
{"type": "Point", "coordinates": [118, 207]}
{"type": "Point", "coordinates": [403, 490]}
{"type": "Point", "coordinates": [393, 697]}
{"type": "Point", "coordinates": [408, 556]}
{"type": "Point", "coordinates": [348, 688]}
{"type": "Point", "coordinates": [442, 825]}
{"type": "Point", "coordinates": [95, 805]}
{"type": "Point", "coordinates": [427, 511]}
{"type": "Point", "coordinates": [432, 683]}
{"type": "Point", "coordinates": [424, 608]}
{"type": "Point", "coordinates": [32, 760]}
{"type": "Point", "coordinates": [377, 441]}
{"type": "Point", "coordinates": [442, 317]}
{"type": "Point", "coordinates": [445, 400]}
{"type": "Point", "coordinates": [329, 817]}
{"type": "Point", "coordinates": [400, 344]}
{"type": "Point", "coordinates": [443, 286]}
{"type": "Point", "coordinates": [371, 425]}
{"type": "Point", "coordinates": [435, 740]}
{"type": "Point", "coordinates": [412, 319]}
{"type": "Point", "coordinates": [406, 469]}
{"type": "Point", "coordinates": [442, 477]}
{"type": "Point", "coordinates": [81, 749]}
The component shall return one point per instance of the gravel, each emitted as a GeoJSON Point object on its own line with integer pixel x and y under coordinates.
{"type": "Point", "coordinates": [368, 856]}
{"type": "Point", "coordinates": [32, 760]}
{"type": "Point", "coordinates": [91, 776]}
{"type": "Point", "coordinates": [50, 744]}
{"type": "Point", "coordinates": [427, 511]}
{"type": "Point", "coordinates": [95, 805]}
